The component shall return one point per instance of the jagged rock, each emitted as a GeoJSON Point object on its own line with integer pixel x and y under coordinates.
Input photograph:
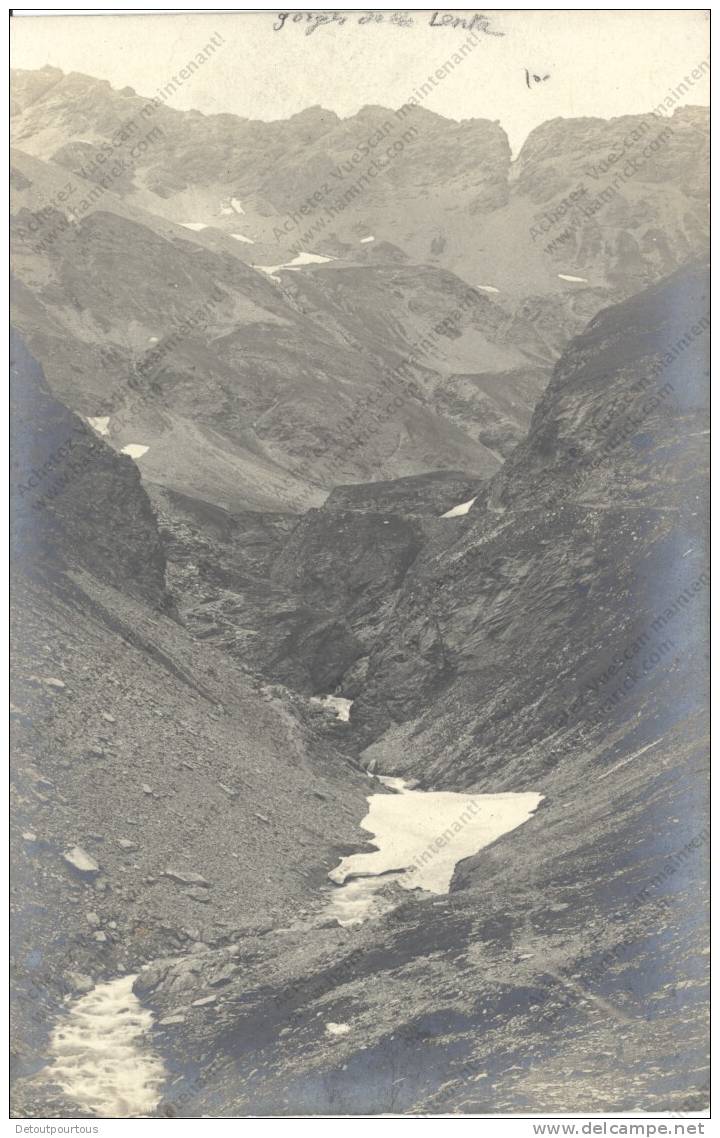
{"type": "Point", "coordinates": [79, 983]}
{"type": "Point", "coordinates": [49, 682]}
{"type": "Point", "coordinates": [187, 878]}
{"type": "Point", "coordinates": [231, 793]}
{"type": "Point", "coordinates": [224, 976]}
{"type": "Point", "coordinates": [81, 861]}
{"type": "Point", "coordinates": [127, 844]}
{"type": "Point", "coordinates": [204, 1002]}
{"type": "Point", "coordinates": [93, 920]}
{"type": "Point", "coordinates": [150, 977]}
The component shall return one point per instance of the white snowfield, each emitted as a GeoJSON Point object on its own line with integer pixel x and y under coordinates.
{"type": "Point", "coordinates": [488, 288]}
{"type": "Point", "coordinates": [296, 263]}
{"type": "Point", "coordinates": [100, 1058]}
{"type": "Point", "coordinates": [100, 424]}
{"type": "Point", "coordinates": [458, 511]}
{"type": "Point", "coordinates": [420, 838]}
{"type": "Point", "coordinates": [193, 225]}
{"type": "Point", "coordinates": [364, 240]}
{"type": "Point", "coordinates": [242, 237]}
{"type": "Point", "coordinates": [135, 450]}
{"type": "Point", "coordinates": [236, 205]}
{"type": "Point", "coordinates": [578, 280]}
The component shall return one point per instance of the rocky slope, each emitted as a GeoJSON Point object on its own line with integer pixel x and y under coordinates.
{"type": "Point", "coordinates": [238, 396]}
{"type": "Point", "coordinates": [161, 797]}
{"type": "Point", "coordinates": [584, 524]}
{"type": "Point", "coordinates": [552, 640]}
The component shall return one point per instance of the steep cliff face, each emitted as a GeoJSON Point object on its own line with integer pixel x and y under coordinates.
{"type": "Point", "coordinates": [75, 502]}
{"type": "Point", "coordinates": [550, 594]}
{"type": "Point", "coordinates": [303, 600]}
{"type": "Point", "coordinates": [623, 202]}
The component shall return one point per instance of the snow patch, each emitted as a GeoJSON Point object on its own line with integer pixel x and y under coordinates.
{"type": "Point", "coordinates": [340, 706]}
{"type": "Point", "coordinates": [135, 450]}
{"type": "Point", "coordinates": [364, 240]}
{"type": "Point", "coordinates": [488, 288]}
{"type": "Point", "coordinates": [100, 424]}
{"type": "Point", "coordinates": [242, 237]}
{"type": "Point", "coordinates": [193, 225]}
{"type": "Point", "coordinates": [420, 836]}
{"type": "Point", "coordinates": [458, 511]}
{"type": "Point", "coordinates": [100, 1058]}
{"type": "Point", "coordinates": [579, 280]}
{"type": "Point", "coordinates": [296, 263]}
{"type": "Point", "coordinates": [236, 205]}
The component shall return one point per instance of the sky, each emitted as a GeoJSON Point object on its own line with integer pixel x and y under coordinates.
{"type": "Point", "coordinates": [598, 63]}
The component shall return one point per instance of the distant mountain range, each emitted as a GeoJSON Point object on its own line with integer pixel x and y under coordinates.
{"type": "Point", "coordinates": [150, 242]}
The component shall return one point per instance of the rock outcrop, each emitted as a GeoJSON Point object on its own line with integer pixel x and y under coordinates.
{"type": "Point", "coordinates": [553, 590]}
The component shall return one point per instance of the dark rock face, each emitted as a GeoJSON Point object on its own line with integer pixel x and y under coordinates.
{"type": "Point", "coordinates": [75, 501]}
{"type": "Point", "coordinates": [304, 601]}
{"type": "Point", "coordinates": [627, 176]}
{"type": "Point", "coordinates": [553, 591]}
{"type": "Point", "coordinates": [424, 495]}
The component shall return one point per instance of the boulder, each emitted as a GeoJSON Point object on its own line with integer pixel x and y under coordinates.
{"type": "Point", "coordinates": [79, 860]}
{"type": "Point", "coordinates": [186, 878]}
{"type": "Point", "coordinates": [80, 983]}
